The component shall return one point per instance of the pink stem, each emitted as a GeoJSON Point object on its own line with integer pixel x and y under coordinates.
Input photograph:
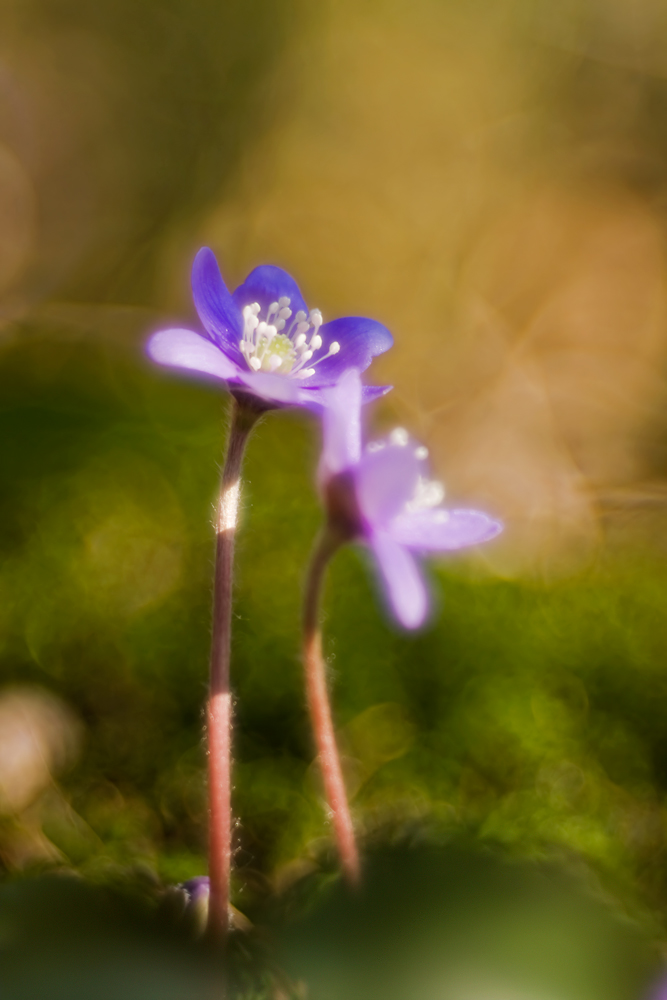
{"type": "Point", "coordinates": [320, 710]}
{"type": "Point", "coordinates": [219, 713]}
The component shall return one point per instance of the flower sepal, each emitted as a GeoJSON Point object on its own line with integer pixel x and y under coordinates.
{"type": "Point", "coordinates": [344, 517]}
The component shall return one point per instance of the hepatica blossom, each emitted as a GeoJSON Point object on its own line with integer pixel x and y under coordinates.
{"type": "Point", "coordinates": [263, 339]}
{"type": "Point", "coordinates": [381, 495]}
{"type": "Point", "coordinates": [196, 893]}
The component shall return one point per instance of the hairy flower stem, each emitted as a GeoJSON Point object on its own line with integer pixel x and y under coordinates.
{"type": "Point", "coordinates": [219, 712]}
{"type": "Point", "coordinates": [320, 709]}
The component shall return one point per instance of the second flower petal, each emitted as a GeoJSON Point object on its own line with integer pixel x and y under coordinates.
{"type": "Point", "coordinates": [403, 582]}
{"type": "Point", "coordinates": [440, 530]}
{"type": "Point", "coordinates": [341, 424]}
{"type": "Point", "coordinates": [386, 481]}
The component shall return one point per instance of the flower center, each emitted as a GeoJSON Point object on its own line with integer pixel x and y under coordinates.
{"type": "Point", "coordinates": [271, 345]}
{"type": "Point", "coordinates": [428, 493]}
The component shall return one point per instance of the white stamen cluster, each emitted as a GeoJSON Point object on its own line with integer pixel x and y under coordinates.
{"type": "Point", "coordinates": [399, 437]}
{"type": "Point", "coordinates": [271, 345]}
{"type": "Point", "coordinates": [428, 492]}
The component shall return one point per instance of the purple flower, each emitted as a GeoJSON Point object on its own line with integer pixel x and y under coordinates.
{"type": "Point", "coordinates": [263, 339]}
{"type": "Point", "coordinates": [196, 890]}
{"type": "Point", "coordinates": [194, 895]}
{"type": "Point", "coordinates": [382, 495]}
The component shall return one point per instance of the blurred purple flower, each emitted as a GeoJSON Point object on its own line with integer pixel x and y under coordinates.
{"type": "Point", "coordinates": [382, 496]}
{"type": "Point", "coordinates": [196, 890]}
{"type": "Point", "coordinates": [188, 902]}
{"type": "Point", "coordinates": [264, 340]}
{"type": "Point", "coordinates": [194, 895]}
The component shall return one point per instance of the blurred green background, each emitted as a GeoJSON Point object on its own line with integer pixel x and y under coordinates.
{"type": "Point", "coordinates": [490, 180]}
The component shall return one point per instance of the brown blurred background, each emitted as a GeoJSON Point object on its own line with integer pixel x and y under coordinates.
{"type": "Point", "coordinates": [488, 179]}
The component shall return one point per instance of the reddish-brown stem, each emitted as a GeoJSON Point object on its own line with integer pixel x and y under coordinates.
{"type": "Point", "coordinates": [320, 709]}
{"type": "Point", "coordinates": [219, 713]}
